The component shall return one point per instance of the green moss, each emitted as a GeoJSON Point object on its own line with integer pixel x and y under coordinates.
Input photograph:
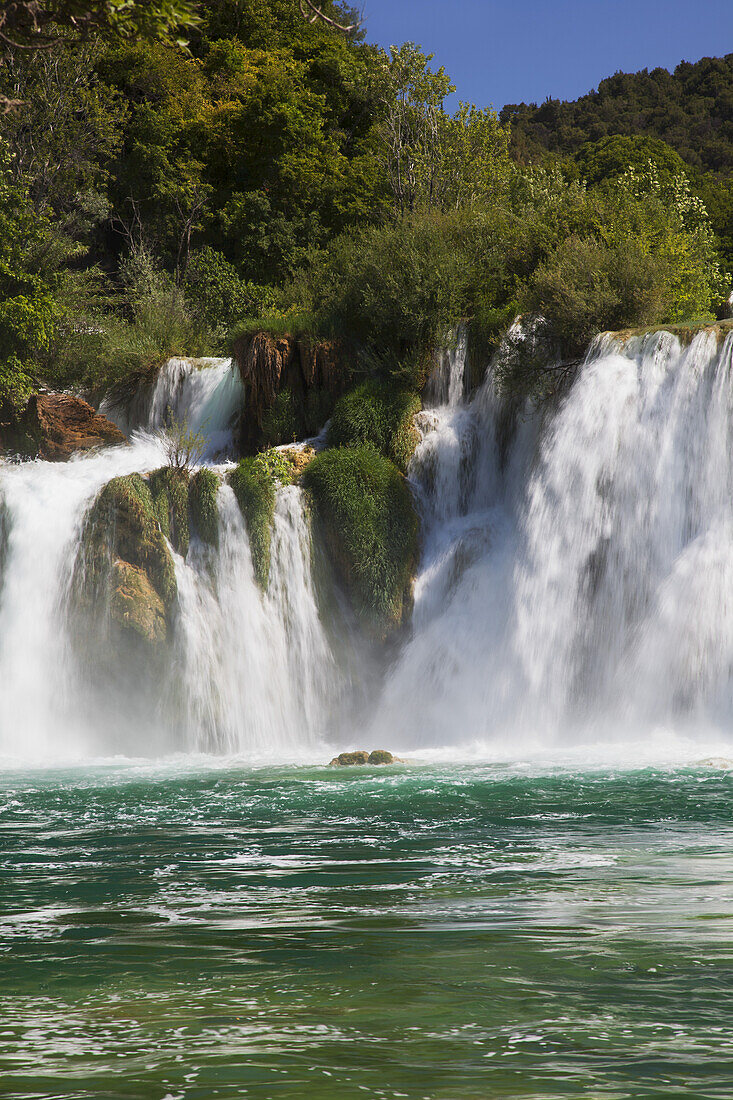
{"type": "Point", "coordinates": [169, 491]}
{"type": "Point", "coordinates": [202, 503]}
{"type": "Point", "coordinates": [381, 756]}
{"type": "Point", "coordinates": [378, 414]}
{"type": "Point", "coordinates": [319, 405]}
{"type": "Point", "coordinates": [371, 528]}
{"type": "Point", "coordinates": [254, 486]}
{"type": "Point", "coordinates": [123, 523]}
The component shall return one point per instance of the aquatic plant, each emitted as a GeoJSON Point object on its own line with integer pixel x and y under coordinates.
{"type": "Point", "coordinates": [254, 486]}
{"type": "Point", "coordinates": [381, 415]}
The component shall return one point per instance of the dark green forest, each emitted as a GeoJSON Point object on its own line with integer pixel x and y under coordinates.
{"type": "Point", "coordinates": [171, 183]}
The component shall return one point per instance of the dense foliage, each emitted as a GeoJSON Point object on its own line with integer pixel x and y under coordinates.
{"type": "Point", "coordinates": [279, 174]}
{"type": "Point", "coordinates": [691, 109]}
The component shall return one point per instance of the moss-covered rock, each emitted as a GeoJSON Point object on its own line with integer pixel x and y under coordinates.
{"type": "Point", "coordinates": [123, 523]}
{"type": "Point", "coordinates": [382, 756]}
{"type": "Point", "coordinates": [135, 606]}
{"type": "Point", "coordinates": [255, 486]}
{"type": "Point", "coordinates": [371, 529]}
{"type": "Point", "coordinates": [203, 506]}
{"type": "Point", "coordinates": [379, 414]}
{"type": "Point", "coordinates": [350, 759]}
{"type": "Point", "coordinates": [169, 492]}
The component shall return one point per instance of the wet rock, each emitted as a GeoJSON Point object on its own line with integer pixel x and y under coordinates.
{"type": "Point", "coordinates": [349, 759]}
{"type": "Point", "coordinates": [135, 606]}
{"type": "Point", "coordinates": [290, 386]}
{"type": "Point", "coordinates": [381, 756]}
{"type": "Point", "coordinates": [298, 457]}
{"type": "Point", "coordinates": [54, 426]}
{"type": "Point", "coordinates": [378, 756]}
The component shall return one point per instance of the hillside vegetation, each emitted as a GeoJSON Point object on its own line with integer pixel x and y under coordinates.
{"type": "Point", "coordinates": [280, 175]}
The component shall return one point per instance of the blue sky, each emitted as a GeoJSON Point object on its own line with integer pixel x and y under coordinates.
{"type": "Point", "coordinates": [502, 52]}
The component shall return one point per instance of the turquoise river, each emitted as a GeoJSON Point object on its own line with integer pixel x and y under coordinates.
{"type": "Point", "coordinates": [446, 932]}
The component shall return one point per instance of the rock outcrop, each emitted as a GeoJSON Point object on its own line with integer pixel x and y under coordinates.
{"type": "Point", "coordinates": [124, 578]}
{"type": "Point", "coordinates": [360, 758]}
{"type": "Point", "coordinates": [290, 385]}
{"type": "Point", "coordinates": [54, 426]}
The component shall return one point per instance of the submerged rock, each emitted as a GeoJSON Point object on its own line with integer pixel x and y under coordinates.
{"type": "Point", "coordinates": [56, 425]}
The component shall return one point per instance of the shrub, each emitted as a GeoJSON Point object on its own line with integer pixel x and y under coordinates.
{"type": "Point", "coordinates": [254, 486]}
{"type": "Point", "coordinates": [370, 526]}
{"type": "Point", "coordinates": [183, 446]}
{"type": "Point", "coordinates": [284, 421]}
{"type": "Point", "coordinates": [220, 297]}
{"type": "Point", "coordinates": [378, 414]}
{"type": "Point", "coordinates": [203, 506]}
{"type": "Point", "coordinates": [588, 286]}
{"type": "Point", "coordinates": [395, 290]}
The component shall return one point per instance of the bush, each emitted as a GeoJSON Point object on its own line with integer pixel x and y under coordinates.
{"type": "Point", "coordinates": [284, 421]}
{"type": "Point", "coordinates": [254, 486]}
{"type": "Point", "coordinates": [16, 386]}
{"type": "Point", "coordinates": [378, 414]}
{"type": "Point", "coordinates": [395, 290]}
{"type": "Point", "coordinates": [588, 286]}
{"type": "Point", "coordinates": [219, 296]}
{"type": "Point", "coordinates": [370, 526]}
{"type": "Point", "coordinates": [203, 506]}
{"type": "Point", "coordinates": [99, 349]}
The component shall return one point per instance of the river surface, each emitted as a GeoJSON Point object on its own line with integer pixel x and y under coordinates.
{"type": "Point", "coordinates": [430, 932]}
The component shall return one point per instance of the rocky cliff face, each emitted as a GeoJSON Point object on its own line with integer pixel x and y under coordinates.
{"type": "Point", "coordinates": [290, 384]}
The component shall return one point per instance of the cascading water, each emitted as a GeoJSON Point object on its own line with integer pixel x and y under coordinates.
{"type": "Point", "coordinates": [576, 582]}
{"type": "Point", "coordinates": [206, 394]}
{"type": "Point", "coordinates": [249, 672]}
{"type": "Point", "coordinates": [579, 586]}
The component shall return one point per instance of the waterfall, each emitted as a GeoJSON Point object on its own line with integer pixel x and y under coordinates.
{"type": "Point", "coordinates": [575, 583]}
{"type": "Point", "coordinates": [205, 393]}
{"type": "Point", "coordinates": [252, 673]}
{"type": "Point", "coordinates": [44, 504]}
{"type": "Point", "coordinates": [580, 585]}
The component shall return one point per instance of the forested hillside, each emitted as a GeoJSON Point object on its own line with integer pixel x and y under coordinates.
{"type": "Point", "coordinates": [273, 172]}
{"type": "Point", "coordinates": [691, 109]}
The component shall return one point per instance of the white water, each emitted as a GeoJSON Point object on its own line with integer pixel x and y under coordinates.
{"type": "Point", "coordinates": [252, 674]}
{"type": "Point", "coordinates": [205, 394]}
{"type": "Point", "coordinates": [575, 590]}
{"type": "Point", "coordinates": [582, 589]}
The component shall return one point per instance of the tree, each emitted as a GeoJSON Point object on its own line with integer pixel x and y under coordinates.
{"type": "Point", "coordinates": [411, 130]}
{"type": "Point", "coordinates": [38, 24]}
{"type": "Point", "coordinates": [434, 160]}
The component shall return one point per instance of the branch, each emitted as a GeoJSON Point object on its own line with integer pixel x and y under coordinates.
{"type": "Point", "coordinates": [316, 13]}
